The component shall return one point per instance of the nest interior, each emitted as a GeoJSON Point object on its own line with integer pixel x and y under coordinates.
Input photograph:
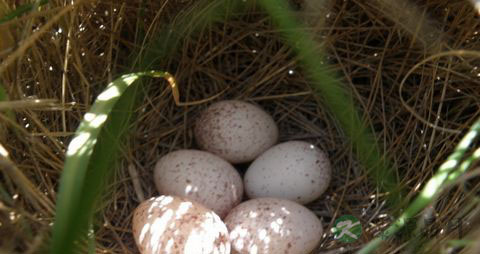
{"type": "Point", "coordinates": [373, 46]}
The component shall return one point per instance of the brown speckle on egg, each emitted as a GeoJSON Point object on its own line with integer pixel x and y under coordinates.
{"type": "Point", "coordinates": [235, 130]}
{"type": "Point", "coordinates": [204, 177]}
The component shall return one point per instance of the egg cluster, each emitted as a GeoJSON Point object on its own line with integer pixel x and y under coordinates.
{"type": "Point", "coordinates": [200, 210]}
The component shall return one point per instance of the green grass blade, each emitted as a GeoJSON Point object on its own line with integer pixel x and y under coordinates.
{"type": "Point", "coordinates": [22, 9]}
{"type": "Point", "coordinates": [91, 240]}
{"type": "Point", "coordinates": [431, 189]}
{"type": "Point", "coordinates": [466, 164]}
{"type": "Point", "coordinates": [81, 179]}
{"type": "Point", "coordinates": [336, 98]}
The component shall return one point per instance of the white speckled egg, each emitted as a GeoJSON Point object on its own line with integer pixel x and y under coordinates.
{"type": "Point", "coordinates": [199, 176]}
{"type": "Point", "coordinates": [235, 130]}
{"type": "Point", "coordinates": [169, 224]}
{"type": "Point", "coordinates": [293, 170]}
{"type": "Point", "coordinates": [273, 226]}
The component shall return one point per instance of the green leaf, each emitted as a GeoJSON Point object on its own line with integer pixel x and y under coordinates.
{"type": "Point", "coordinates": [91, 240]}
{"type": "Point", "coordinates": [89, 159]}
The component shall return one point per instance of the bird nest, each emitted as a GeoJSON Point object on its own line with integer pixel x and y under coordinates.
{"type": "Point", "coordinates": [401, 62]}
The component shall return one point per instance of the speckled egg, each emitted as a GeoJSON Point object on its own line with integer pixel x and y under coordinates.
{"type": "Point", "coordinates": [273, 226]}
{"type": "Point", "coordinates": [169, 224]}
{"type": "Point", "coordinates": [200, 176]}
{"type": "Point", "coordinates": [235, 130]}
{"type": "Point", "coordinates": [294, 170]}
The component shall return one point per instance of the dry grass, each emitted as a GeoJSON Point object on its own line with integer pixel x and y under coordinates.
{"type": "Point", "coordinates": [372, 46]}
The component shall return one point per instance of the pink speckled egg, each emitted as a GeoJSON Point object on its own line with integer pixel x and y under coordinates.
{"type": "Point", "coordinates": [272, 226]}
{"type": "Point", "coordinates": [294, 170]}
{"type": "Point", "coordinates": [235, 130]}
{"type": "Point", "coordinates": [199, 176]}
{"type": "Point", "coordinates": [169, 224]}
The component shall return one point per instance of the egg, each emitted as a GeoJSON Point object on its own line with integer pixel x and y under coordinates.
{"type": "Point", "coordinates": [272, 226]}
{"type": "Point", "coordinates": [235, 130]}
{"type": "Point", "coordinates": [169, 224]}
{"type": "Point", "coordinates": [294, 170]}
{"type": "Point", "coordinates": [199, 176]}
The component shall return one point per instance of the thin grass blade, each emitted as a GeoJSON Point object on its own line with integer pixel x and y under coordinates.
{"type": "Point", "coordinates": [337, 98]}
{"type": "Point", "coordinates": [429, 193]}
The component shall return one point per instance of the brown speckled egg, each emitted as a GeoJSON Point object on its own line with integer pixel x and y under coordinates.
{"type": "Point", "coordinates": [273, 226]}
{"type": "Point", "coordinates": [294, 170]}
{"type": "Point", "coordinates": [199, 176]}
{"type": "Point", "coordinates": [235, 130]}
{"type": "Point", "coordinates": [169, 224]}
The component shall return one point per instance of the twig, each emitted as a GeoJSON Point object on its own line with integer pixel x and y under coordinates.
{"type": "Point", "coordinates": [136, 182]}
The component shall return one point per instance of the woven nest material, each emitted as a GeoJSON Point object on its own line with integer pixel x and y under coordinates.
{"type": "Point", "coordinates": [372, 45]}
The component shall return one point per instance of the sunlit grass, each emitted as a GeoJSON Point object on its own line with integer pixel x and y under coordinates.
{"type": "Point", "coordinates": [88, 163]}
{"type": "Point", "coordinates": [340, 102]}
{"type": "Point", "coordinates": [94, 150]}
